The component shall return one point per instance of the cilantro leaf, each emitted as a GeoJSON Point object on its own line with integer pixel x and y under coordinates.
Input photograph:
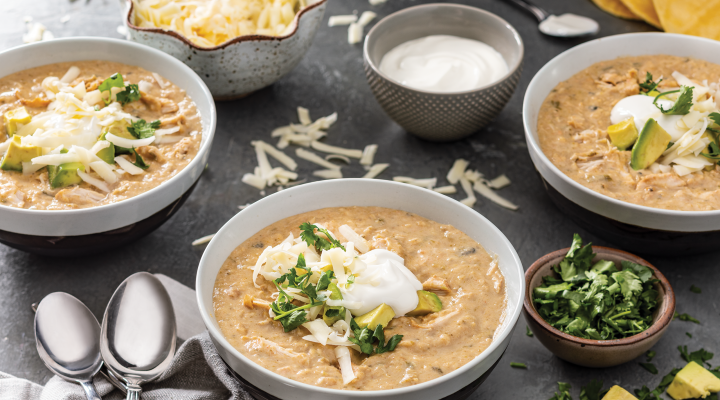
{"type": "Point", "coordinates": [650, 355]}
{"type": "Point", "coordinates": [700, 356]}
{"type": "Point", "coordinates": [686, 317]}
{"type": "Point", "coordinates": [564, 393]}
{"type": "Point", "coordinates": [115, 80]}
{"type": "Point", "coordinates": [320, 243]}
{"type": "Point", "coordinates": [141, 129]}
{"type": "Point", "coordinates": [293, 320]}
{"type": "Point", "coordinates": [642, 272]}
{"type": "Point", "coordinates": [695, 289]}
{"type": "Point", "coordinates": [131, 93]}
{"type": "Point", "coordinates": [591, 391]}
{"type": "Point", "coordinates": [365, 338]}
{"type": "Point", "coordinates": [650, 367]}
{"type": "Point", "coordinates": [139, 162]}
{"type": "Point", "coordinates": [630, 284]}
{"type": "Point", "coordinates": [649, 85]}
{"type": "Point", "coordinates": [325, 279]}
{"type": "Point", "coordinates": [683, 103]}
{"type": "Point", "coordinates": [689, 334]}
{"type": "Point", "coordinates": [528, 331]}
{"type": "Point", "coordinates": [518, 365]}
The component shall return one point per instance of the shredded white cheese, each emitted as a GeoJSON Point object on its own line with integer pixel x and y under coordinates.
{"type": "Point", "coordinates": [368, 154]}
{"type": "Point", "coordinates": [457, 171]}
{"type": "Point", "coordinates": [499, 182]}
{"type": "Point", "coordinates": [304, 116]}
{"type": "Point", "coordinates": [376, 2]}
{"type": "Point", "coordinates": [488, 193]}
{"type": "Point", "coordinates": [203, 240]}
{"type": "Point", "coordinates": [342, 158]}
{"type": "Point", "coordinates": [450, 189]}
{"type": "Point", "coordinates": [326, 148]}
{"type": "Point", "coordinates": [428, 183]}
{"type": "Point", "coordinates": [470, 199]}
{"type": "Point", "coordinates": [345, 362]}
{"type": "Point", "coordinates": [375, 170]}
{"type": "Point", "coordinates": [283, 158]}
{"type": "Point", "coordinates": [328, 173]}
{"type": "Point", "coordinates": [337, 20]}
{"type": "Point", "coordinates": [355, 32]}
{"type": "Point", "coordinates": [314, 158]}
{"type": "Point", "coordinates": [352, 236]}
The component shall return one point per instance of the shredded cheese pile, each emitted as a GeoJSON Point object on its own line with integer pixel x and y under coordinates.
{"type": "Point", "coordinates": [209, 23]}
{"type": "Point", "coordinates": [684, 155]}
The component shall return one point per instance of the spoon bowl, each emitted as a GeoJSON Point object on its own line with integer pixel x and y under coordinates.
{"type": "Point", "coordinates": [138, 334]}
{"type": "Point", "coordinates": [67, 336]}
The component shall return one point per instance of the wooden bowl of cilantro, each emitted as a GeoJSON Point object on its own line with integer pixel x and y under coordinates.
{"type": "Point", "coordinates": [596, 306]}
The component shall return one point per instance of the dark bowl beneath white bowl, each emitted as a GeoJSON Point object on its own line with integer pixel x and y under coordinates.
{"type": "Point", "coordinates": [96, 243]}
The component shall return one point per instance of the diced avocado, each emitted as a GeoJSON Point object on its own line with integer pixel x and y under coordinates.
{"type": "Point", "coordinates": [693, 382]}
{"type": "Point", "coordinates": [428, 302]}
{"type": "Point", "coordinates": [118, 128]}
{"type": "Point", "coordinates": [17, 154]}
{"type": "Point", "coordinates": [65, 174]}
{"type": "Point", "coordinates": [618, 393]}
{"type": "Point", "coordinates": [623, 134]}
{"type": "Point", "coordinates": [15, 117]}
{"type": "Point", "coordinates": [651, 143]}
{"type": "Point", "coordinates": [653, 93]}
{"type": "Point", "coordinates": [107, 154]}
{"type": "Point", "coordinates": [332, 314]}
{"type": "Point", "coordinates": [380, 315]}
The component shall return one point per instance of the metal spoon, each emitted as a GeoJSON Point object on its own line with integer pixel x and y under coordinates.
{"type": "Point", "coordinates": [67, 336]}
{"type": "Point", "coordinates": [138, 332]}
{"type": "Point", "coordinates": [566, 25]}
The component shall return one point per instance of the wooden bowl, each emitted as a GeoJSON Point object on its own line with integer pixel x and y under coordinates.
{"type": "Point", "coordinates": [597, 353]}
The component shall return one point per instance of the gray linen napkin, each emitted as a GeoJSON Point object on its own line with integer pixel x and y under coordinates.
{"type": "Point", "coordinates": [196, 373]}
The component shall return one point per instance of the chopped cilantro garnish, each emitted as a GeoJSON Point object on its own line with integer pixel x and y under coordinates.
{"type": "Point", "coordinates": [650, 367]}
{"type": "Point", "coordinates": [528, 331]}
{"type": "Point", "coordinates": [312, 239]}
{"type": "Point", "coordinates": [683, 103]}
{"type": "Point", "coordinates": [141, 129]}
{"type": "Point", "coordinates": [564, 392]}
{"type": "Point", "coordinates": [650, 355]}
{"type": "Point", "coordinates": [646, 394]}
{"type": "Point", "coordinates": [595, 300]}
{"type": "Point", "coordinates": [290, 315]}
{"type": "Point", "coordinates": [649, 85]}
{"type": "Point", "coordinates": [689, 334]}
{"type": "Point", "coordinates": [518, 365]}
{"type": "Point", "coordinates": [686, 317]}
{"type": "Point", "coordinates": [365, 338]}
{"type": "Point", "coordinates": [592, 391]}
{"type": "Point", "coordinates": [139, 162]}
{"type": "Point", "coordinates": [695, 289]}
{"type": "Point", "coordinates": [701, 356]}
{"type": "Point", "coordinates": [131, 92]}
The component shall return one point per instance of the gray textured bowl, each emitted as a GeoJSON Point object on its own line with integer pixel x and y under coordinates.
{"type": "Point", "coordinates": [244, 64]}
{"type": "Point", "coordinates": [442, 116]}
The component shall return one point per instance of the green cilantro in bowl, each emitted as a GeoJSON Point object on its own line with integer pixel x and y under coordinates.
{"type": "Point", "coordinates": [597, 299]}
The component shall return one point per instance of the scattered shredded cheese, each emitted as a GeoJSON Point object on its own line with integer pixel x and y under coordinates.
{"type": "Point", "coordinates": [345, 362]}
{"type": "Point", "coordinates": [375, 170]}
{"type": "Point", "coordinates": [36, 32]}
{"type": "Point", "coordinates": [488, 193]}
{"type": "Point", "coordinates": [328, 173]}
{"type": "Point", "coordinates": [326, 148]}
{"type": "Point", "coordinates": [355, 32]}
{"type": "Point", "coordinates": [450, 189]}
{"type": "Point", "coordinates": [337, 20]}
{"type": "Point", "coordinates": [342, 158]}
{"type": "Point", "coordinates": [314, 158]}
{"type": "Point", "coordinates": [368, 154]}
{"type": "Point", "coordinates": [366, 18]}
{"type": "Point", "coordinates": [203, 240]}
{"type": "Point", "coordinates": [304, 116]}
{"type": "Point", "coordinates": [428, 183]}
{"type": "Point", "coordinates": [470, 199]}
{"type": "Point", "coordinates": [499, 182]}
{"type": "Point", "coordinates": [457, 171]}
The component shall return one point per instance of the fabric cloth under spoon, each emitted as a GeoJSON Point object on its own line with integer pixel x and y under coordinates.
{"type": "Point", "coordinates": [138, 333]}
{"type": "Point", "coordinates": [67, 336]}
{"type": "Point", "coordinates": [566, 25]}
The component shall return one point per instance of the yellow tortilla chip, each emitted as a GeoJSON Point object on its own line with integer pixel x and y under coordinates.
{"type": "Point", "coordinates": [645, 9]}
{"type": "Point", "coordinates": [616, 8]}
{"type": "Point", "coordinates": [691, 17]}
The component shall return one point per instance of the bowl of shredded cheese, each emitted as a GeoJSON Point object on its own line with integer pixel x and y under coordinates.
{"type": "Point", "coordinates": [236, 46]}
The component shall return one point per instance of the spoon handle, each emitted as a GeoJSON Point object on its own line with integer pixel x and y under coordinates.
{"type": "Point", "coordinates": [538, 12]}
{"type": "Point", "coordinates": [133, 393]}
{"type": "Point", "coordinates": [90, 390]}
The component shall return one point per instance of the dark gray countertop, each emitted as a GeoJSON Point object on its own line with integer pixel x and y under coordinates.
{"type": "Point", "coordinates": [330, 78]}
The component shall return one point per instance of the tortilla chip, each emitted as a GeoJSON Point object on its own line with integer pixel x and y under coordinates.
{"type": "Point", "coordinates": [644, 9]}
{"type": "Point", "coordinates": [616, 8]}
{"type": "Point", "coordinates": [691, 17]}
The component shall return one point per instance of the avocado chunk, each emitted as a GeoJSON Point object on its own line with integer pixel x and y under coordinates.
{"type": "Point", "coordinates": [107, 154]}
{"type": "Point", "coordinates": [15, 117]}
{"type": "Point", "coordinates": [17, 154]}
{"type": "Point", "coordinates": [693, 382]}
{"type": "Point", "coordinates": [65, 174]}
{"type": "Point", "coordinates": [618, 393]}
{"type": "Point", "coordinates": [333, 314]}
{"type": "Point", "coordinates": [118, 128]}
{"type": "Point", "coordinates": [380, 315]}
{"type": "Point", "coordinates": [428, 302]}
{"type": "Point", "coordinates": [623, 134]}
{"type": "Point", "coordinates": [652, 142]}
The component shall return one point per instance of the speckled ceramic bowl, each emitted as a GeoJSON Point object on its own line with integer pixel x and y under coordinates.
{"type": "Point", "coordinates": [98, 229]}
{"type": "Point", "coordinates": [242, 65]}
{"type": "Point", "coordinates": [442, 116]}
{"type": "Point", "coordinates": [596, 353]}
{"type": "Point", "coordinates": [633, 227]}
{"type": "Point", "coordinates": [359, 192]}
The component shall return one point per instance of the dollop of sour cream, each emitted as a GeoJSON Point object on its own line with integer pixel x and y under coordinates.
{"type": "Point", "coordinates": [641, 108]}
{"type": "Point", "coordinates": [444, 64]}
{"type": "Point", "coordinates": [568, 25]}
{"type": "Point", "coordinates": [385, 279]}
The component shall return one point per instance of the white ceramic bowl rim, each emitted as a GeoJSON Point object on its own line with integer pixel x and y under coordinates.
{"type": "Point", "coordinates": [237, 39]}
{"type": "Point", "coordinates": [511, 68]}
{"type": "Point", "coordinates": [531, 126]}
{"type": "Point", "coordinates": [506, 327]}
{"type": "Point", "coordinates": [208, 122]}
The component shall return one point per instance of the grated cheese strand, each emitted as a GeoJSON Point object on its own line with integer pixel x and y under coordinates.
{"type": "Point", "coordinates": [314, 158]}
{"type": "Point", "coordinates": [203, 240]}
{"type": "Point", "coordinates": [304, 116]}
{"type": "Point", "coordinates": [337, 20]}
{"type": "Point", "coordinates": [328, 173]}
{"type": "Point", "coordinates": [457, 171]}
{"type": "Point", "coordinates": [488, 193]}
{"type": "Point", "coordinates": [345, 362]}
{"type": "Point", "coordinates": [450, 189]}
{"type": "Point", "coordinates": [326, 148]}
{"type": "Point", "coordinates": [375, 170]}
{"type": "Point", "coordinates": [368, 154]}
{"type": "Point", "coordinates": [470, 199]}
{"type": "Point", "coordinates": [283, 158]}
{"type": "Point", "coordinates": [427, 183]}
